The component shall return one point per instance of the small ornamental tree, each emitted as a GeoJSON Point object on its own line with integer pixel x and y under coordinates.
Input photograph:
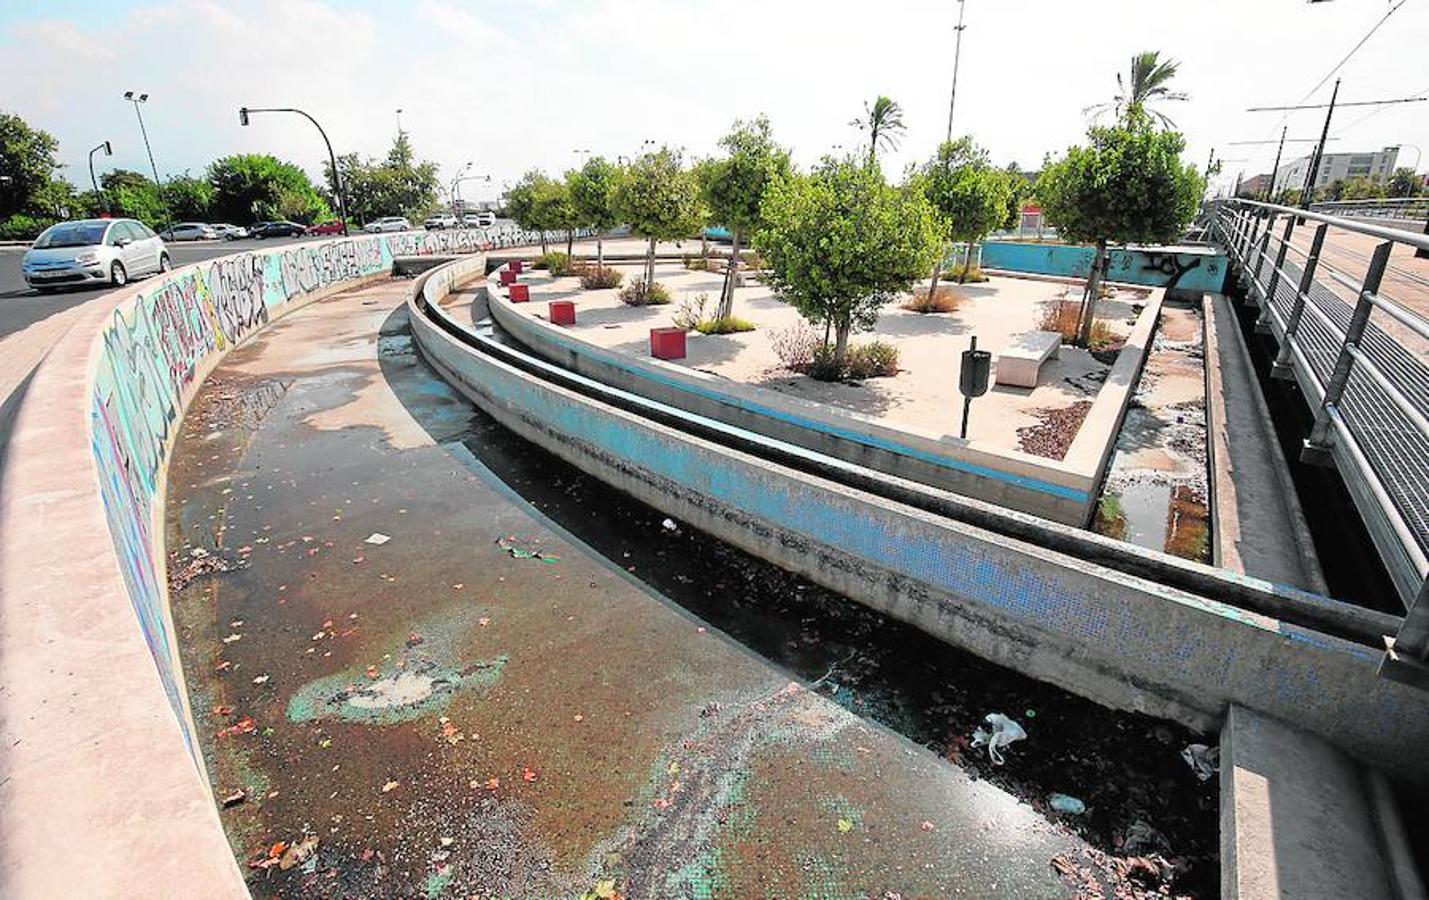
{"type": "Point", "coordinates": [841, 242]}
{"type": "Point", "coordinates": [522, 203]}
{"type": "Point", "coordinates": [555, 209]}
{"type": "Point", "coordinates": [659, 200]}
{"type": "Point", "coordinates": [1127, 185]}
{"type": "Point", "coordinates": [734, 188]}
{"type": "Point", "coordinates": [969, 195]}
{"type": "Point", "coordinates": [592, 188]}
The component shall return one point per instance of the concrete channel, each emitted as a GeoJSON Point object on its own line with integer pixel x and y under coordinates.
{"type": "Point", "coordinates": [539, 686]}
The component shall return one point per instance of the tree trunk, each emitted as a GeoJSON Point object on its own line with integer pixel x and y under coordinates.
{"type": "Point", "coordinates": [841, 343]}
{"type": "Point", "coordinates": [650, 266]}
{"type": "Point", "coordinates": [1094, 287]}
{"type": "Point", "coordinates": [731, 272]}
{"type": "Point", "coordinates": [570, 240]}
{"type": "Point", "coordinates": [600, 252]}
{"type": "Point", "coordinates": [967, 261]}
{"type": "Point", "coordinates": [933, 285]}
{"type": "Point", "coordinates": [543, 242]}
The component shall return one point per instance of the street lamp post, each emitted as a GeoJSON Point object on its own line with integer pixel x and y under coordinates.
{"type": "Point", "coordinates": [136, 99]}
{"type": "Point", "coordinates": [957, 58]}
{"type": "Point", "coordinates": [108, 151]}
{"type": "Point", "coordinates": [244, 112]}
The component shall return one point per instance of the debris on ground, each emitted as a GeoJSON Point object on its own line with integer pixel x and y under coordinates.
{"type": "Point", "coordinates": [670, 526]}
{"type": "Point", "coordinates": [1065, 803]}
{"type": "Point", "coordinates": [235, 798]}
{"type": "Point", "coordinates": [377, 539]}
{"type": "Point", "coordinates": [1055, 430]}
{"type": "Point", "coordinates": [521, 548]}
{"type": "Point", "coordinates": [1204, 761]}
{"type": "Point", "coordinates": [201, 562]}
{"type": "Point", "coordinates": [299, 852]}
{"type": "Point", "coordinates": [245, 725]}
{"type": "Point", "coordinates": [1004, 731]}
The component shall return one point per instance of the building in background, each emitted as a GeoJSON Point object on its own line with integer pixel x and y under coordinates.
{"type": "Point", "coordinates": [1254, 187]}
{"type": "Point", "coordinates": [1338, 167]}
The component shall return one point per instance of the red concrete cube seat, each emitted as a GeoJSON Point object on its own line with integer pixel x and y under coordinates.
{"type": "Point", "coordinates": [562, 312]}
{"type": "Point", "coordinates": [515, 265]}
{"type": "Point", "coordinates": [667, 343]}
{"type": "Point", "coordinates": [520, 293]}
{"type": "Point", "coordinates": [508, 276]}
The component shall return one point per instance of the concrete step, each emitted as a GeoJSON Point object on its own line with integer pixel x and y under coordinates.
{"type": "Point", "coordinates": [1300, 819]}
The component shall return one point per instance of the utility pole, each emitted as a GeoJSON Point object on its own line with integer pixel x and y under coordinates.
{"type": "Point", "coordinates": [1275, 169]}
{"type": "Point", "coordinates": [1308, 192]}
{"type": "Point", "coordinates": [957, 57]}
{"type": "Point", "coordinates": [108, 151]}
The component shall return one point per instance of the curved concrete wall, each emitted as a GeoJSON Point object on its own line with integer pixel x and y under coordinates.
{"type": "Point", "coordinates": [1061, 490]}
{"type": "Point", "coordinates": [101, 792]}
{"type": "Point", "coordinates": [1121, 640]}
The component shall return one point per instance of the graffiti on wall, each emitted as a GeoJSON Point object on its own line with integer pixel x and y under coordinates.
{"type": "Point", "coordinates": [1191, 269]}
{"type": "Point", "coordinates": [153, 351]}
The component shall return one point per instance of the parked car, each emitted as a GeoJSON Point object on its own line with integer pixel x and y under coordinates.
{"type": "Point", "coordinates": [86, 251]}
{"type": "Point", "coordinates": [387, 223]}
{"type": "Point", "coordinates": [479, 219]}
{"type": "Point", "coordinates": [189, 231]}
{"type": "Point", "coordinates": [230, 232]}
{"type": "Point", "coordinates": [333, 227]}
{"type": "Point", "coordinates": [280, 228]}
{"type": "Point", "coordinates": [435, 223]}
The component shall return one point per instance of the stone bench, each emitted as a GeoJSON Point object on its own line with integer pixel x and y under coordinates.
{"type": "Point", "coordinates": [1019, 362]}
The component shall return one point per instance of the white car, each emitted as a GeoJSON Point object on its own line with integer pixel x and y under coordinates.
{"type": "Point", "coordinates": [230, 232]}
{"type": "Point", "coordinates": [436, 223]}
{"type": "Point", "coordinates": [387, 223]}
{"type": "Point", "coordinates": [89, 251]}
{"type": "Point", "coordinates": [189, 231]}
{"type": "Point", "coordinates": [479, 220]}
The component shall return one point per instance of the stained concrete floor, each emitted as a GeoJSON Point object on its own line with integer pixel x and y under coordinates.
{"type": "Point", "coordinates": [484, 705]}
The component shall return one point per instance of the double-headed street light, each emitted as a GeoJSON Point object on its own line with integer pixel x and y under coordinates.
{"type": "Point", "coordinates": [136, 99]}
{"type": "Point", "coordinates": [108, 151]}
{"type": "Point", "coordinates": [244, 112]}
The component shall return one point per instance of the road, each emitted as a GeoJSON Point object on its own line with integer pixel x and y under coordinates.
{"type": "Point", "coordinates": [21, 307]}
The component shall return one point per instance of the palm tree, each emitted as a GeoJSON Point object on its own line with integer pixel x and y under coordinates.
{"type": "Point", "coordinates": [884, 123]}
{"type": "Point", "coordinates": [1147, 84]}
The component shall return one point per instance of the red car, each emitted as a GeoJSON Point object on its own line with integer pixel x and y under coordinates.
{"type": "Point", "coordinates": [333, 227]}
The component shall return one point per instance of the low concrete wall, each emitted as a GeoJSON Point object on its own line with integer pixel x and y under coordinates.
{"type": "Point", "coordinates": [1190, 269]}
{"type": "Point", "coordinates": [102, 793]}
{"type": "Point", "coordinates": [1121, 640]}
{"type": "Point", "coordinates": [1061, 490]}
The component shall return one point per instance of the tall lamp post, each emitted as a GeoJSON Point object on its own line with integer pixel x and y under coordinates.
{"type": "Point", "coordinates": [244, 112]}
{"type": "Point", "coordinates": [108, 151]}
{"type": "Point", "coordinates": [136, 99]}
{"type": "Point", "coordinates": [957, 57]}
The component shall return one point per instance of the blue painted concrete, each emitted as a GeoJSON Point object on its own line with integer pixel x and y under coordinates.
{"type": "Point", "coordinates": [1186, 268]}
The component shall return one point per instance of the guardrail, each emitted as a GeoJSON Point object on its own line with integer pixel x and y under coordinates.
{"type": "Point", "coordinates": [1360, 355]}
{"type": "Point", "coordinates": [1415, 208]}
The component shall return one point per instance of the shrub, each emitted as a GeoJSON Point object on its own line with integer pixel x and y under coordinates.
{"type": "Point", "coordinates": [823, 366]}
{"type": "Point", "coordinates": [727, 325]}
{"type": "Point", "coordinates": [691, 312]}
{"type": "Point", "coordinates": [876, 359]}
{"type": "Point", "coordinates": [1061, 316]}
{"type": "Point", "coordinates": [599, 277]}
{"type": "Point", "coordinates": [947, 300]}
{"type": "Point", "coordinates": [21, 227]}
{"type": "Point", "coordinates": [636, 294]}
{"type": "Point", "coordinates": [698, 263]}
{"type": "Point", "coordinates": [974, 274]}
{"type": "Point", "coordinates": [795, 346]}
{"type": "Point", "coordinates": [557, 263]}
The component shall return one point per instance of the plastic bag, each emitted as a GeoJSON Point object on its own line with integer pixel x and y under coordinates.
{"type": "Point", "coordinates": [1204, 761]}
{"type": "Point", "coordinates": [1004, 731]}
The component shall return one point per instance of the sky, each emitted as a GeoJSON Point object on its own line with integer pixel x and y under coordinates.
{"type": "Point", "coordinates": [514, 84]}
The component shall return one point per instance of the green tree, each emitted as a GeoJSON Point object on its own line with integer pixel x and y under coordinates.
{"type": "Point", "coordinates": [841, 242]}
{"type": "Point", "coordinates": [132, 194]}
{"type": "Point", "coordinates": [884, 123]}
{"type": "Point", "coordinates": [27, 163]}
{"type": "Point", "coordinates": [1127, 185]}
{"type": "Point", "coordinates": [592, 188]}
{"type": "Point", "coordinates": [1404, 183]}
{"type": "Point", "coordinates": [1146, 83]}
{"type": "Point", "coordinates": [523, 203]}
{"type": "Point", "coordinates": [251, 186]}
{"type": "Point", "coordinates": [660, 201]}
{"type": "Point", "coordinates": [186, 197]}
{"type": "Point", "coordinates": [734, 188]}
{"type": "Point", "coordinates": [969, 195]}
{"type": "Point", "coordinates": [397, 185]}
{"type": "Point", "coordinates": [557, 210]}
{"type": "Point", "coordinates": [1019, 194]}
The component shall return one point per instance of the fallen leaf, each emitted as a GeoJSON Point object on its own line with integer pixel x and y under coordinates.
{"type": "Point", "coordinates": [235, 798]}
{"type": "Point", "coordinates": [233, 637]}
{"type": "Point", "coordinates": [377, 538]}
{"type": "Point", "coordinates": [579, 717]}
{"type": "Point", "coordinates": [261, 679]}
{"type": "Point", "coordinates": [528, 773]}
{"type": "Point", "coordinates": [483, 621]}
{"type": "Point", "coordinates": [605, 890]}
{"type": "Point", "coordinates": [245, 725]}
{"type": "Point", "coordinates": [299, 852]}
{"type": "Point", "coordinates": [493, 783]}
{"type": "Point", "coordinates": [389, 787]}
{"type": "Point", "coordinates": [845, 825]}
{"type": "Point", "coordinates": [927, 826]}
{"type": "Point", "coordinates": [222, 710]}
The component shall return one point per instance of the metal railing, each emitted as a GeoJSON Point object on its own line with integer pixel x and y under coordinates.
{"type": "Point", "coordinates": [1413, 208]}
{"type": "Point", "coordinates": [1343, 299]}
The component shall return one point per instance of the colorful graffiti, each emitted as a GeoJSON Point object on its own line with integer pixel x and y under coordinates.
{"type": "Point", "coordinates": [153, 351]}
{"type": "Point", "coordinates": [1191, 269]}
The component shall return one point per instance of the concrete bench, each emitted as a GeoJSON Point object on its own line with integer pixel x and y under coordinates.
{"type": "Point", "coordinates": [1019, 362]}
